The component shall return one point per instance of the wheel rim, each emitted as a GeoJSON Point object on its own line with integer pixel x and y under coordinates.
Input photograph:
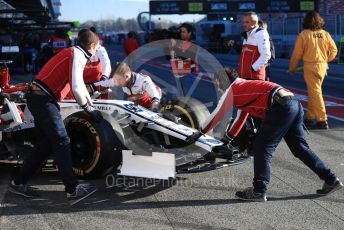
{"type": "Point", "coordinates": [82, 146]}
{"type": "Point", "coordinates": [185, 117]}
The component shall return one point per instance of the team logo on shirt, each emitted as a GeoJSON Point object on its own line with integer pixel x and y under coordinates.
{"type": "Point", "coordinates": [317, 35]}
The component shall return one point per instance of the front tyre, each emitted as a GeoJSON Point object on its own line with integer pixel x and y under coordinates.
{"type": "Point", "coordinates": [96, 148]}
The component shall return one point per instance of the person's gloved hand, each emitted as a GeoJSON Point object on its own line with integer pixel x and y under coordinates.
{"type": "Point", "coordinates": [227, 139]}
{"type": "Point", "coordinates": [226, 151]}
{"type": "Point", "coordinates": [194, 137]}
{"type": "Point", "coordinates": [95, 115]}
{"type": "Point", "coordinates": [155, 107]}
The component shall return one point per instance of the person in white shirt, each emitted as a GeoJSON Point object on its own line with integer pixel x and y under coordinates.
{"type": "Point", "coordinates": [140, 88]}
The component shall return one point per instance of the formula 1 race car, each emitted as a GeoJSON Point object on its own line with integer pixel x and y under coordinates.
{"type": "Point", "coordinates": [98, 148]}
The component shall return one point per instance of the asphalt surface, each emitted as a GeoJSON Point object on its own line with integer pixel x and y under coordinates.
{"type": "Point", "coordinates": [194, 201]}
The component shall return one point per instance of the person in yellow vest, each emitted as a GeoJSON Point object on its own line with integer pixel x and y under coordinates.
{"type": "Point", "coordinates": [316, 48]}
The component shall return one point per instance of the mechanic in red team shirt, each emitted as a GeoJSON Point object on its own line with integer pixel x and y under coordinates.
{"type": "Point", "coordinates": [62, 73]}
{"type": "Point", "coordinates": [255, 52]}
{"type": "Point", "coordinates": [140, 88]}
{"type": "Point", "coordinates": [282, 117]}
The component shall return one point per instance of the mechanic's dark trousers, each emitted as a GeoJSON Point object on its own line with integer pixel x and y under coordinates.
{"type": "Point", "coordinates": [52, 138]}
{"type": "Point", "coordinates": [284, 121]}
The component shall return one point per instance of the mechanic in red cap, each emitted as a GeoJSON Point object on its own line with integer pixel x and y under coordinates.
{"type": "Point", "coordinates": [140, 88]}
{"type": "Point", "coordinates": [62, 73]}
{"type": "Point", "coordinates": [282, 116]}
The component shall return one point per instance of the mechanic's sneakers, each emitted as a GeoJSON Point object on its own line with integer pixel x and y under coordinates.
{"type": "Point", "coordinates": [81, 192]}
{"type": "Point", "coordinates": [328, 189]}
{"type": "Point", "coordinates": [250, 195]}
{"type": "Point", "coordinates": [22, 190]}
{"type": "Point", "coordinates": [317, 125]}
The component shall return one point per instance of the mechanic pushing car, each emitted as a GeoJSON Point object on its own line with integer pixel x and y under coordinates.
{"type": "Point", "coordinates": [140, 88]}
{"type": "Point", "coordinates": [282, 116]}
{"type": "Point", "coordinates": [62, 73]}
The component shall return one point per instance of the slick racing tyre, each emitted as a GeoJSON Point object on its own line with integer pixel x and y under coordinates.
{"type": "Point", "coordinates": [191, 111]}
{"type": "Point", "coordinates": [96, 147]}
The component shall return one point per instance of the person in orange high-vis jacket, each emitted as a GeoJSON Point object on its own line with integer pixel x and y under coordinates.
{"type": "Point", "coordinates": [316, 48]}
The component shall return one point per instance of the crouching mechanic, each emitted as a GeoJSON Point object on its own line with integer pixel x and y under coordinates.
{"type": "Point", "coordinates": [282, 117]}
{"type": "Point", "coordinates": [140, 88]}
{"type": "Point", "coordinates": [62, 73]}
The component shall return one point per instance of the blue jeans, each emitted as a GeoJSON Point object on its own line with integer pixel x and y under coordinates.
{"type": "Point", "coordinates": [52, 138]}
{"type": "Point", "coordinates": [284, 121]}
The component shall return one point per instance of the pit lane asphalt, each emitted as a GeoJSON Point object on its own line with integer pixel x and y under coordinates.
{"type": "Point", "coordinates": [196, 201]}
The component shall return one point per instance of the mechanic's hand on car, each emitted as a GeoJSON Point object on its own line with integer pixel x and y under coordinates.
{"type": "Point", "coordinates": [95, 115]}
{"type": "Point", "coordinates": [228, 148]}
{"type": "Point", "coordinates": [226, 139]}
{"type": "Point", "coordinates": [194, 137]}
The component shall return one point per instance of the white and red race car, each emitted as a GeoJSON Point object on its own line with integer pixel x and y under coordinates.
{"type": "Point", "coordinates": [132, 139]}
